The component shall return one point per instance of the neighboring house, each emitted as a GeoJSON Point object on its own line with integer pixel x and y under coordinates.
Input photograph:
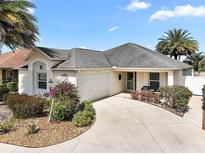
{"type": "Point", "coordinates": [10, 63]}
{"type": "Point", "coordinates": [99, 74]}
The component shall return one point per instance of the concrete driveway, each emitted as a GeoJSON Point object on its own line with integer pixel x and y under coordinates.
{"type": "Point", "coordinates": [125, 125]}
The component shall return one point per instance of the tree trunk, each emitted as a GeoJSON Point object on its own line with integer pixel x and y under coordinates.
{"type": "Point", "coordinates": [203, 120]}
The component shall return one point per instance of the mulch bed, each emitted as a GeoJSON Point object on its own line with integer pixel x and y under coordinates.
{"type": "Point", "coordinates": [49, 133]}
{"type": "Point", "coordinates": [5, 113]}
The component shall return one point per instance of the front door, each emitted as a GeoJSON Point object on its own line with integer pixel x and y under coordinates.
{"type": "Point", "coordinates": [130, 81]}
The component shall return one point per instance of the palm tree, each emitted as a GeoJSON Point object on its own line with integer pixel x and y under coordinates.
{"type": "Point", "coordinates": [17, 25]}
{"type": "Point", "coordinates": [196, 60]}
{"type": "Point", "coordinates": [177, 42]}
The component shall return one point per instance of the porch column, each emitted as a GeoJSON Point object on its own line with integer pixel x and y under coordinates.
{"type": "Point", "coordinates": [170, 78]}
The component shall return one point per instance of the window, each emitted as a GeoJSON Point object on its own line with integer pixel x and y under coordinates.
{"type": "Point", "coordinates": [187, 72]}
{"type": "Point", "coordinates": [154, 81]}
{"type": "Point", "coordinates": [41, 67]}
{"type": "Point", "coordinates": [42, 81]}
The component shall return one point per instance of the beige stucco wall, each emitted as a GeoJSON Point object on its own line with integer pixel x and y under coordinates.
{"type": "Point", "coordinates": [163, 79]}
{"type": "Point", "coordinates": [116, 85]}
{"type": "Point", "coordinates": [142, 80]}
{"type": "Point", "coordinates": [178, 78]}
{"type": "Point", "coordinates": [201, 73]}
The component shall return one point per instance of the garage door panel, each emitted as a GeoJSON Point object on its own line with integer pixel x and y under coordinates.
{"type": "Point", "coordinates": [93, 86]}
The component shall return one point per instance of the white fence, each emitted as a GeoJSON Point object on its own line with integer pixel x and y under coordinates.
{"type": "Point", "coordinates": [195, 84]}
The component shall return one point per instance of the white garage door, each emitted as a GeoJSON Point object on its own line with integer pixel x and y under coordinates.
{"type": "Point", "coordinates": [93, 86]}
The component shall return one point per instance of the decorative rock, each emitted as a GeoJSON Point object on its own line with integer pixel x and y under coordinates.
{"type": "Point", "coordinates": [5, 113]}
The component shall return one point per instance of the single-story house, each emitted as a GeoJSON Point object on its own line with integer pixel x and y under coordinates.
{"type": "Point", "coordinates": [10, 62]}
{"type": "Point", "coordinates": [98, 74]}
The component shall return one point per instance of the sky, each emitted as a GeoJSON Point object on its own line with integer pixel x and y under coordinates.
{"type": "Point", "coordinates": [104, 24]}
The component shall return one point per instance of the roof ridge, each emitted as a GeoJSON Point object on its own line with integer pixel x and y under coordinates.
{"type": "Point", "coordinates": [129, 43]}
{"type": "Point", "coordinates": [87, 50]}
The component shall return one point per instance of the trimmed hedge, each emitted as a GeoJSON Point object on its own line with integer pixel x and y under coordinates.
{"type": "Point", "coordinates": [24, 106]}
{"type": "Point", "coordinates": [176, 97]}
{"type": "Point", "coordinates": [61, 111]}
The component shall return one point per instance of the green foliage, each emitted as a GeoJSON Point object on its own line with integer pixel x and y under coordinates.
{"type": "Point", "coordinates": [177, 97]}
{"type": "Point", "coordinates": [33, 129]}
{"type": "Point", "coordinates": [197, 60]}
{"type": "Point", "coordinates": [87, 105]}
{"type": "Point", "coordinates": [61, 111]}
{"type": "Point", "coordinates": [3, 92]}
{"type": "Point", "coordinates": [12, 86]}
{"type": "Point", "coordinates": [2, 85]}
{"type": "Point", "coordinates": [177, 42]}
{"type": "Point", "coordinates": [17, 24]}
{"type": "Point", "coordinates": [24, 106]}
{"type": "Point", "coordinates": [84, 116]}
{"type": "Point", "coordinates": [5, 128]}
{"type": "Point", "coordinates": [203, 105]}
{"type": "Point", "coordinates": [66, 101]}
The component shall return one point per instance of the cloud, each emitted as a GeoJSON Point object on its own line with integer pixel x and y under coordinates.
{"type": "Point", "coordinates": [31, 10]}
{"type": "Point", "coordinates": [113, 29]}
{"type": "Point", "coordinates": [83, 47]}
{"type": "Point", "coordinates": [179, 11]}
{"type": "Point", "coordinates": [137, 5]}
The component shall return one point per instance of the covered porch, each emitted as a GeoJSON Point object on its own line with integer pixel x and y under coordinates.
{"type": "Point", "coordinates": [151, 79]}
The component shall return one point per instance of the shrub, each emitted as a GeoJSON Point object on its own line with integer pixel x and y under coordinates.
{"type": "Point", "coordinates": [3, 93]}
{"type": "Point", "coordinates": [146, 96]}
{"type": "Point", "coordinates": [24, 106]}
{"type": "Point", "coordinates": [61, 111]}
{"type": "Point", "coordinates": [136, 95]}
{"type": "Point", "coordinates": [33, 129]}
{"type": "Point", "coordinates": [87, 105]}
{"type": "Point", "coordinates": [12, 86]}
{"type": "Point", "coordinates": [66, 101]}
{"type": "Point", "coordinates": [5, 128]}
{"type": "Point", "coordinates": [82, 118]}
{"type": "Point", "coordinates": [85, 115]}
{"type": "Point", "coordinates": [177, 97]}
{"type": "Point", "coordinates": [2, 85]}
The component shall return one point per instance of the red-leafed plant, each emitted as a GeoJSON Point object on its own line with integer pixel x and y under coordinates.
{"type": "Point", "coordinates": [65, 101]}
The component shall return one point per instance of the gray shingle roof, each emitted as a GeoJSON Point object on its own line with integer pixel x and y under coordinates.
{"type": "Point", "coordinates": [131, 55]}
{"type": "Point", "coordinates": [54, 53]}
{"type": "Point", "coordinates": [84, 58]}
{"type": "Point", "coordinates": [128, 55]}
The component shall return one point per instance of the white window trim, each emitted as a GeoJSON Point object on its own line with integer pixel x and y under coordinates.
{"type": "Point", "coordinates": [37, 80]}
